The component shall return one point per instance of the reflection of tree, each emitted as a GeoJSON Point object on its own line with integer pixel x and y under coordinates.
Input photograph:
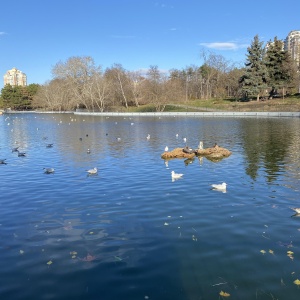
{"type": "Point", "coordinates": [266, 142]}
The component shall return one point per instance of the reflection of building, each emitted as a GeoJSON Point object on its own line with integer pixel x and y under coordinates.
{"type": "Point", "coordinates": [15, 77]}
{"type": "Point", "coordinates": [292, 44]}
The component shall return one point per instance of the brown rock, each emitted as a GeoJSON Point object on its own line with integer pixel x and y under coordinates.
{"type": "Point", "coordinates": [177, 153]}
{"type": "Point", "coordinates": [214, 152]}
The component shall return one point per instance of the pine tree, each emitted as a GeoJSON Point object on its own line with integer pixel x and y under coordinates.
{"type": "Point", "coordinates": [254, 81]}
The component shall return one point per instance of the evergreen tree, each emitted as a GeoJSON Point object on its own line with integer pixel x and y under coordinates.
{"type": "Point", "coordinates": [280, 66]}
{"type": "Point", "coordinates": [254, 80]}
{"type": "Point", "coordinates": [18, 97]}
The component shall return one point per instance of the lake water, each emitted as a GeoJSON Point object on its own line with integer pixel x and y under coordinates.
{"type": "Point", "coordinates": [130, 232]}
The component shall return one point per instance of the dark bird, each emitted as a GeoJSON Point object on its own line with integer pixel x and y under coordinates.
{"type": "Point", "coordinates": [49, 145]}
{"type": "Point", "coordinates": [21, 153]}
{"type": "Point", "coordinates": [3, 162]}
{"type": "Point", "coordinates": [15, 149]}
{"type": "Point", "coordinates": [48, 170]}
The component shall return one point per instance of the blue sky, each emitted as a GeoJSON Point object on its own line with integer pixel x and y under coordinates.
{"type": "Point", "coordinates": [36, 34]}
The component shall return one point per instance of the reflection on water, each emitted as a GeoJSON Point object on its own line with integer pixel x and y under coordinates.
{"type": "Point", "coordinates": [130, 231]}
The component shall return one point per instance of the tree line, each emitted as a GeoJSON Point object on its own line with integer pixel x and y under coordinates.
{"type": "Point", "coordinates": [80, 83]}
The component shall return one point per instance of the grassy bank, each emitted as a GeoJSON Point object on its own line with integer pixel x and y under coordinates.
{"type": "Point", "coordinates": [291, 104]}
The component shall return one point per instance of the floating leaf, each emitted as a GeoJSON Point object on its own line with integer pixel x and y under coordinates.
{"type": "Point", "coordinates": [166, 224]}
{"type": "Point", "coordinates": [262, 251]}
{"type": "Point", "coordinates": [91, 232]}
{"type": "Point", "coordinates": [297, 282]}
{"type": "Point", "coordinates": [21, 252]}
{"type": "Point", "coordinates": [224, 294]}
{"type": "Point", "coordinates": [73, 253]}
{"type": "Point", "coordinates": [49, 262]}
{"type": "Point", "coordinates": [74, 256]}
{"type": "Point", "coordinates": [271, 251]}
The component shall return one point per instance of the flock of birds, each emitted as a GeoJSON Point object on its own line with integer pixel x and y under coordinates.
{"type": "Point", "coordinates": [92, 171]}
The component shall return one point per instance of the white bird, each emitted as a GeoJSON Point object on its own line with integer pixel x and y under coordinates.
{"type": "Point", "coordinates": [184, 139]}
{"type": "Point", "coordinates": [148, 136]}
{"type": "Point", "coordinates": [48, 170]}
{"type": "Point", "coordinates": [296, 209]}
{"type": "Point", "coordinates": [176, 175]}
{"type": "Point", "coordinates": [200, 145]}
{"type": "Point", "coordinates": [221, 187]}
{"type": "Point", "coordinates": [166, 149]}
{"type": "Point", "coordinates": [92, 171]}
{"type": "Point", "coordinates": [176, 135]}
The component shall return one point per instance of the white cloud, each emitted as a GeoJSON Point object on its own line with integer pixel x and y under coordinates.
{"type": "Point", "coordinates": [224, 45]}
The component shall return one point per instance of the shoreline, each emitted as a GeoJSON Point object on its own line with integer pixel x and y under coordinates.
{"type": "Point", "coordinates": [168, 114]}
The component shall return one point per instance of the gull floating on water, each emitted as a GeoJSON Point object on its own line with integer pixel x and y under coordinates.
{"type": "Point", "coordinates": [2, 161]}
{"type": "Point", "coordinates": [148, 137]}
{"type": "Point", "coordinates": [296, 209]}
{"type": "Point", "coordinates": [92, 171]}
{"type": "Point", "coordinates": [176, 175]}
{"type": "Point", "coordinates": [21, 153]}
{"type": "Point", "coordinates": [220, 187]}
{"type": "Point", "coordinates": [49, 145]}
{"type": "Point", "coordinates": [48, 170]}
{"type": "Point", "coordinates": [166, 149]}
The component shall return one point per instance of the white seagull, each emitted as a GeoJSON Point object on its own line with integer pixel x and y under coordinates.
{"type": "Point", "coordinates": [296, 209]}
{"type": "Point", "coordinates": [220, 187]}
{"type": "Point", "coordinates": [166, 149]}
{"type": "Point", "coordinates": [92, 171]}
{"type": "Point", "coordinates": [176, 175]}
{"type": "Point", "coordinates": [148, 136]}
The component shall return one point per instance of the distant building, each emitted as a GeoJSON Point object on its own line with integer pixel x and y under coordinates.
{"type": "Point", "coordinates": [15, 77]}
{"type": "Point", "coordinates": [292, 44]}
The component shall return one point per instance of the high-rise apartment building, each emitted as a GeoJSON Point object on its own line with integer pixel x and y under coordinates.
{"type": "Point", "coordinates": [15, 77]}
{"type": "Point", "coordinates": [292, 44]}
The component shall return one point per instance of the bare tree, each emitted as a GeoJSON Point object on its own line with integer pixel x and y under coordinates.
{"type": "Point", "coordinates": [54, 96]}
{"type": "Point", "coordinates": [77, 72]}
{"type": "Point", "coordinates": [156, 90]}
{"type": "Point", "coordinates": [120, 83]}
{"type": "Point", "coordinates": [213, 71]}
{"type": "Point", "coordinates": [136, 81]}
